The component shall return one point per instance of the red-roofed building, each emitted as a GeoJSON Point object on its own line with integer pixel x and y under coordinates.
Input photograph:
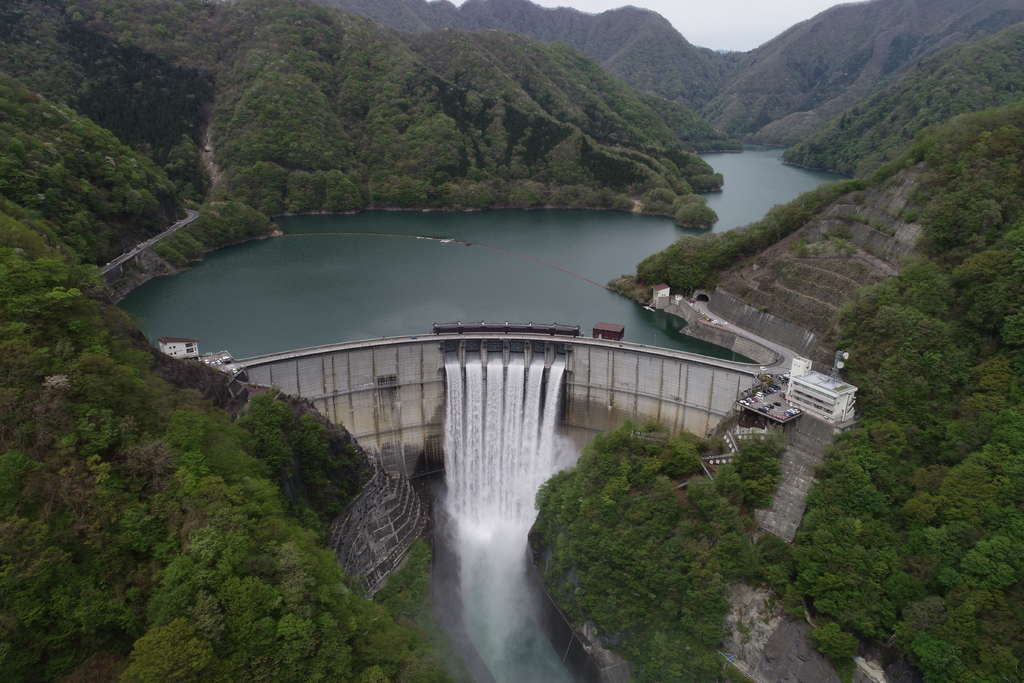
{"type": "Point", "coordinates": [176, 347]}
{"type": "Point", "coordinates": [609, 331]}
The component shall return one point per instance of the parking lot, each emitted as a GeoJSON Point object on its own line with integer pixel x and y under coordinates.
{"type": "Point", "coordinates": [217, 360]}
{"type": "Point", "coordinates": [766, 398]}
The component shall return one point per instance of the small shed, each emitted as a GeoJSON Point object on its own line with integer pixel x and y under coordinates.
{"type": "Point", "coordinates": [661, 293]}
{"type": "Point", "coordinates": [609, 331]}
{"type": "Point", "coordinates": [176, 347]}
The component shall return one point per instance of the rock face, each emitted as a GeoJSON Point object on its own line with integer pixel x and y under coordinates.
{"type": "Point", "coordinates": [790, 658]}
{"type": "Point", "coordinates": [139, 270]}
{"type": "Point", "coordinates": [754, 615]}
{"type": "Point", "coordinates": [373, 534]}
{"type": "Point", "coordinates": [582, 652]}
{"type": "Point", "coordinates": [770, 645]}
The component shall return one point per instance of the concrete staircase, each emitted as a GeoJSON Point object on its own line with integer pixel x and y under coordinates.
{"type": "Point", "coordinates": [806, 440]}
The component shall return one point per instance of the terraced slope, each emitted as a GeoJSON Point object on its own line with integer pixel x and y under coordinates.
{"type": "Point", "coordinates": [807, 277]}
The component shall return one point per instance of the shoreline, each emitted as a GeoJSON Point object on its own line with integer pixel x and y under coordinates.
{"type": "Point", "coordinates": [162, 268]}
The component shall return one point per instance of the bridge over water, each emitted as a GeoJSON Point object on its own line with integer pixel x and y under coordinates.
{"type": "Point", "coordinates": [390, 393]}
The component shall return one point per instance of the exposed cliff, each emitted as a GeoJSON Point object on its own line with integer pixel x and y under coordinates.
{"type": "Point", "coordinates": [805, 278]}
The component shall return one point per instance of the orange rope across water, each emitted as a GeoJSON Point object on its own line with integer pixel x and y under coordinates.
{"type": "Point", "coordinates": [442, 239]}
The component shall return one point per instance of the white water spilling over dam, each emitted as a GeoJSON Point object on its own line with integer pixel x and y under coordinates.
{"type": "Point", "coordinates": [392, 394]}
{"type": "Point", "coordinates": [501, 444]}
{"type": "Point", "coordinates": [498, 414]}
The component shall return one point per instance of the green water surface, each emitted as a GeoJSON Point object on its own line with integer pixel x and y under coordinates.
{"type": "Point", "coordinates": [313, 287]}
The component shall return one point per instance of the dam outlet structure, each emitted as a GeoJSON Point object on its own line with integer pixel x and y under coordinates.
{"type": "Point", "coordinates": [392, 394]}
{"type": "Point", "coordinates": [499, 413]}
{"type": "Point", "coordinates": [501, 444]}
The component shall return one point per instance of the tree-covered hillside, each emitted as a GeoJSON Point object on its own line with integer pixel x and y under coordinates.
{"type": "Point", "coordinates": [635, 540]}
{"type": "Point", "coordinates": [637, 45]}
{"type": "Point", "coordinates": [317, 110]}
{"type": "Point", "coordinates": [911, 537]}
{"type": "Point", "coordinates": [151, 105]}
{"type": "Point", "coordinates": [792, 85]}
{"type": "Point", "coordinates": [779, 93]}
{"type": "Point", "coordinates": [965, 78]}
{"type": "Point", "coordinates": [92, 193]}
{"type": "Point", "coordinates": [916, 527]}
{"type": "Point", "coordinates": [144, 534]}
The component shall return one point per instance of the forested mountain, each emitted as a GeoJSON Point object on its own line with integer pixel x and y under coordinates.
{"type": "Point", "coordinates": [150, 104]}
{"type": "Point", "coordinates": [910, 537]}
{"type": "Point", "coordinates": [637, 45]}
{"type": "Point", "coordinates": [626, 549]}
{"type": "Point", "coordinates": [778, 93]}
{"type": "Point", "coordinates": [964, 78]}
{"type": "Point", "coordinates": [315, 109]}
{"type": "Point", "coordinates": [791, 86]}
{"type": "Point", "coordinates": [89, 193]}
{"type": "Point", "coordinates": [144, 533]}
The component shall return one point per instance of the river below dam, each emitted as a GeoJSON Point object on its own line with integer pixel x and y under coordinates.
{"type": "Point", "coordinates": [334, 278]}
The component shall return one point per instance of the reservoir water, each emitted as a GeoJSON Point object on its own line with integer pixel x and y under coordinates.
{"type": "Point", "coordinates": [315, 285]}
{"type": "Point", "coordinates": [312, 287]}
{"type": "Point", "coordinates": [755, 181]}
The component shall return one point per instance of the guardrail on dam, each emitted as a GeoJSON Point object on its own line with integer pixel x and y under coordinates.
{"type": "Point", "coordinates": [390, 393]}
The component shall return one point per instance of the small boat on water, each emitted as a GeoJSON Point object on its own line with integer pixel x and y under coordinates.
{"type": "Point", "coordinates": [649, 309]}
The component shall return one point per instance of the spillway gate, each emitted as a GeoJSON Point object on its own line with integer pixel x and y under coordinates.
{"type": "Point", "coordinates": [390, 393]}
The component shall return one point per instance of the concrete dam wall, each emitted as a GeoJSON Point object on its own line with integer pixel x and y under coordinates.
{"type": "Point", "coordinates": [390, 393]}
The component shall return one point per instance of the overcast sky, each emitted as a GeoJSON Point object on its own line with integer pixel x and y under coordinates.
{"type": "Point", "coordinates": [718, 24]}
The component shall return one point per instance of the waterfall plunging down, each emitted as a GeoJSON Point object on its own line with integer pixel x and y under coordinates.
{"type": "Point", "coordinates": [500, 446]}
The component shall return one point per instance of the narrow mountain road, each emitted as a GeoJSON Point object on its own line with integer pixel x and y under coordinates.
{"type": "Point", "coordinates": [787, 355]}
{"type": "Point", "coordinates": [192, 215]}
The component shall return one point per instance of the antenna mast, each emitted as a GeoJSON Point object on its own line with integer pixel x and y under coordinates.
{"type": "Point", "coordinates": [837, 364]}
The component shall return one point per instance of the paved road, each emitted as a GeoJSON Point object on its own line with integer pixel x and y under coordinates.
{"type": "Point", "coordinates": [192, 215]}
{"type": "Point", "coordinates": [785, 361]}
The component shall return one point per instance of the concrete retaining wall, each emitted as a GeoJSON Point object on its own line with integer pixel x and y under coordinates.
{"type": "Point", "coordinates": [371, 537]}
{"type": "Point", "coordinates": [720, 336]}
{"type": "Point", "coordinates": [764, 325]}
{"type": "Point", "coordinates": [390, 394]}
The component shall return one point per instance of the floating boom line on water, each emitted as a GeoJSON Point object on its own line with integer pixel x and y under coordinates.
{"type": "Point", "coordinates": [446, 240]}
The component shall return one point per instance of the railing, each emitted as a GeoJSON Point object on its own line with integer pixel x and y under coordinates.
{"type": "Point", "coordinates": [742, 668]}
{"type": "Point", "coordinates": [507, 328]}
